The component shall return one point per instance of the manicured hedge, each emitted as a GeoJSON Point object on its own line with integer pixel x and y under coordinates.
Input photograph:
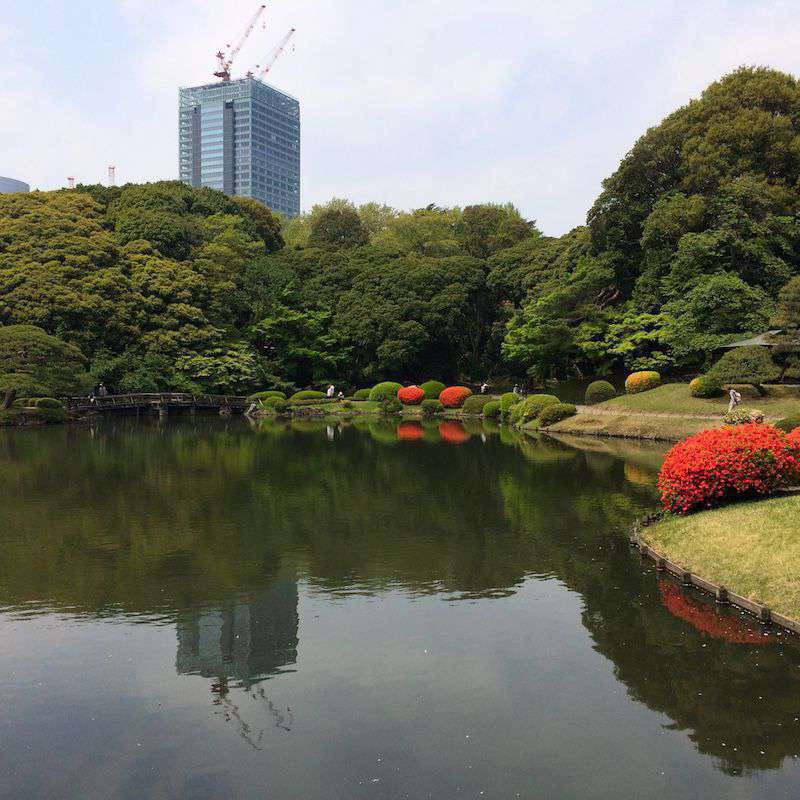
{"type": "Point", "coordinates": [476, 404]}
{"type": "Point", "coordinates": [361, 394]}
{"type": "Point", "coordinates": [307, 394]}
{"type": "Point", "coordinates": [555, 413]}
{"type": "Point", "coordinates": [724, 464]}
{"type": "Point", "coordinates": [411, 395]}
{"type": "Point", "coordinates": [262, 396]}
{"type": "Point", "coordinates": [642, 382]}
{"type": "Point", "coordinates": [507, 402]}
{"type": "Point", "coordinates": [48, 402]}
{"type": "Point", "coordinates": [454, 396]}
{"type": "Point", "coordinates": [599, 391]}
{"type": "Point", "coordinates": [432, 389]}
{"type": "Point", "coordinates": [789, 424]}
{"type": "Point", "coordinates": [530, 408]}
{"type": "Point", "coordinates": [745, 365]}
{"type": "Point", "coordinates": [382, 391]}
{"type": "Point", "coordinates": [390, 405]}
{"type": "Point", "coordinates": [492, 409]}
{"type": "Point", "coordinates": [704, 386]}
{"type": "Point", "coordinates": [431, 407]}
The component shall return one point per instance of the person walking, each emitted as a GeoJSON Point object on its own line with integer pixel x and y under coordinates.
{"type": "Point", "coordinates": [331, 391]}
{"type": "Point", "coordinates": [102, 391]}
{"type": "Point", "coordinates": [516, 389]}
{"type": "Point", "coordinates": [736, 399]}
{"type": "Point", "coordinates": [484, 387]}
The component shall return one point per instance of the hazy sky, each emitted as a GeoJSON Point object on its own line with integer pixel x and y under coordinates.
{"type": "Point", "coordinates": [406, 102]}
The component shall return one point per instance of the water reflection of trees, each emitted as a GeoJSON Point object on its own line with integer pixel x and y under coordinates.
{"type": "Point", "coordinates": [201, 519]}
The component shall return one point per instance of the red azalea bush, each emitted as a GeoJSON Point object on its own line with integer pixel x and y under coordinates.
{"type": "Point", "coordinates": [454, 396]}
{"type": "Point", "coordinates": [411, 395]}
{"type": "Point", "coordinates": [722, 464]}
{"type": "Point", "coordinates": [794, 439]}
{"type": "Point", "coordinates": [453, 432]}
{"type": "Point", "coordinates": [410, 432]}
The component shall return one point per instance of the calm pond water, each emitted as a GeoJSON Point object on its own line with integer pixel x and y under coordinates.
{"type": "Point", "coordinates": [202, 609]}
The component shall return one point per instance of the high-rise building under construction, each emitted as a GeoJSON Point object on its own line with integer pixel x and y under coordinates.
{"type": "Point", "coordinates": [243, 138]}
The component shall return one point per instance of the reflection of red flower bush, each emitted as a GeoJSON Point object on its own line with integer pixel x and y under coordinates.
{"type": "Point", "coordinates": [705, 618]}
{"type": "Point", "coordinates": [725, 463]}
{"type": "Point", "coordinates": [410, 431]}
{"type": "Point", "coordinates": [454, 396]}
{"type": "Point", "coordinates": [453, 432]}
{"type": "Point", "coordinates": [411, 395]}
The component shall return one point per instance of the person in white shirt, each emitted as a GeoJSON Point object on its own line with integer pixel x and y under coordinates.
{"type": "Point", "coordinates": [331, 391]}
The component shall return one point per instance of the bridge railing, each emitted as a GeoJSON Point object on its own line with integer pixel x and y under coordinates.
{"type": "Point", "coordinates": [155, 399]}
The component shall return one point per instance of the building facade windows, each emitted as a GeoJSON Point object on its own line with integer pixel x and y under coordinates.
{"type": "Point", "coordinates": [233, 135]}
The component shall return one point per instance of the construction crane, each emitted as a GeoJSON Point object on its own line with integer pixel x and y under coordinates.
{"type": "Point", "coordinates": [225, 61]}
{"type": "Point", "coordinates": [274, 55]}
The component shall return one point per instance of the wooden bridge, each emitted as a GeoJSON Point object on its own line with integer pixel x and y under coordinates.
{"type": "Point", "coordinates": [158, 403]}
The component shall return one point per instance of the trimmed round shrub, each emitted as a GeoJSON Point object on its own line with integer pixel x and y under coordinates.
{"type": "Point", "coordinates": [361, 394]}
{"type": "Point", "coordinates": [411, 432]}
{"type": "Point", "coordinates": [530, 408]}
{"type": "Point", "coordinates": [270, 402]}
{"type": "Point", "coordinates": [789, 424]}
{"type": "Point", "coordinates": [432, 389]}
{"type": "Point", "coordinates": [385, 390]}
{"type": "Point", "coordinates": [431, 407]}
{"type": "Point", "coordinates": [599, 391]}
{"type": "Point", "coordinates": [745, 365]}
{"type": "Point", "coordinates": [307, 394]}
{"type": "Point", "coordinates": [742, 416]}
{"type": "Point", "coordinates": [262, 396]}
{"type": "Point", "coordinates": [642, 382]}
{"type": "Point", "coordinates": [724, 464]}
{"type": "Point", "coordinates": [507, 401]}
{"type": "Point", "coordinates": [411, 395]}
{"type": "Point", "coordinates": [492, 409]}
{"type": "Point", "coordinates": [453, 432]}
{"type": "Point", "coordinates": [704, 386]}
{"type": "Point", "coordinates": [390, 405]}
{"type": "Point", "coordinates": [280, 406]}
{"type": "Point", "coordinates": [454, 396]}
{"type": "Point", "coordinates": [48, 402]}
{"type": "Point", "coordinates": [475, 404]}
{"type": "Point", "coordinates": [51, 415]}
{"type": "Point", "coordinates": [555, 413]}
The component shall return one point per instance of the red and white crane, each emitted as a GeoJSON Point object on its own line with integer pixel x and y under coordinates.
{"type": "Point", "coordinates": [225, 60]}
{"type": "Point", "coordinates": [274, 54]}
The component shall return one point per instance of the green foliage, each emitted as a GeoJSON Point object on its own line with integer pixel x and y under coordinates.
{"type": "Point", "coordinates": [361, 394]}
{"type": "Point", "coordinates": [431, 407]}
{"type": "Point", "coordinates": [739, 416]}
{"type": "Point", "coordinates": [599, 391]}
{"type": "Point", "coordinates": [531, 407]}
{"type": "Point", "coordinates": [385, 391]}
{"type": "Point", "coordinates": [347, 405]}
{"type": "Point", "coordinates": [752, 365]}
{"type": "Point", "coordinates": [390, 405]}
{"type": "Point", "coordinates": [337, 228]}
{"type": "Point", "coordinates": [507, 401]}
{"type": "Point", "coordinates": [281, 406]}
{"type": "Point", "coordinates": [266, 395]}
{"type": "Point", "coordinates": [228, 368]}
{"type": "Point", "coordinates": [556, 412]}
{"type": "Point", "coordinates": [492, 409]}
{"type": "Point", "coordinates": [705, 386]}
{"type": "Point", "coordinates": [432, 389]}
{"type": "Point", "coordinates": [48, 402]}
{"type": "Point", "coordinates": [789, 424]}
{"type": "Point", "coordinates": [33, 362]}
{"type": "Point", "coordinates": [307, 394]}
{"type": "Point", "coordinates": [475, 403]}
{"type": "Point", "coordinates": [51, 416]}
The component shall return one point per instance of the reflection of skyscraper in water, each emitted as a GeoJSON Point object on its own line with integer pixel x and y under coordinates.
{"type": "Point", "coordinates": [245, 641]}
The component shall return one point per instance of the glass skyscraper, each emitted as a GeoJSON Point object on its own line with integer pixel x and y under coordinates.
{"type": "Point", "coordinates": [243, 138]}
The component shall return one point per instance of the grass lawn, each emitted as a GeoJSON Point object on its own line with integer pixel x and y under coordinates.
{"type": "Point", "coordinates": [751, 548]}
{"type": "Point", "coordinates": [674, 398]}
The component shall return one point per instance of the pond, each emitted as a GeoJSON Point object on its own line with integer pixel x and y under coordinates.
{"type": "Point", "coordinates": [205, 609]}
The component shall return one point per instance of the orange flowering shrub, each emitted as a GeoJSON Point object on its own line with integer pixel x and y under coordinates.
{"type": "Point", "coordinates": [411, 395]}
{"type": "Point", "coordinates": [794, 439]}
{"type": "Point", "coordinates": [642, 382]}
{"type": "Point", "coordinates": [705, 618]}
{"type": "Point", "coordinates": [454, 396]}
{"type": "Point", "coordinates": [410, 432]}
{"type": "Point", "coordinates": [724, 464]}
{"type": "Point", "coordinates": [453, 432]}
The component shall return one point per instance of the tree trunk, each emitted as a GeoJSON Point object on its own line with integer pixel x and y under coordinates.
{"type": "Point", "coordinates": [8, 401]}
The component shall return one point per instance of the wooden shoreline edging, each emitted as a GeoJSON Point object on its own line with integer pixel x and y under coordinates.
{"type": "Point", "coordinates": [722, 595]}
